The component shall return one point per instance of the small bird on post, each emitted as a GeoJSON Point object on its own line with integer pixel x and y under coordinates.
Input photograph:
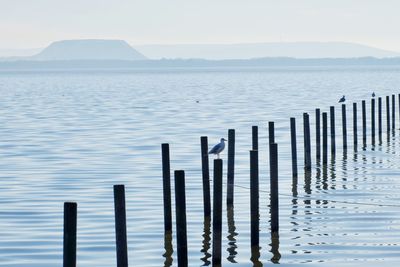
{"type": "Point", "coordinates": [373, 94]}
{"type": "Point", "coordinates": [342, 99]}
{"type": "Point", "coordinates": [218, 148]}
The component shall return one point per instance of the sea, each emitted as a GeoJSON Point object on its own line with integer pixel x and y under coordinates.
{"type": "Point", "coordinates": [70, 135]}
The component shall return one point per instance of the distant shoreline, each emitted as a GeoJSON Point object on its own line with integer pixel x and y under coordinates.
{"type": "Point", "coordinates": [194, 63]}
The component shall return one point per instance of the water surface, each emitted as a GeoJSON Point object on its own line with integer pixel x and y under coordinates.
{"type": "Point", "coordinates": [70, 136]}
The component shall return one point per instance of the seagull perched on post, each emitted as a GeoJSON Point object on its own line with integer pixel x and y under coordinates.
{"type": "Point", "coordinates": [342, 99]}
{"type": "Point", "coordinates": [218, 148]}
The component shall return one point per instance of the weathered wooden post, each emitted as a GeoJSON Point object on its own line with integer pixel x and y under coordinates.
{"type": "Point", "coordinates": [355, 137]}
{"type": "Point", "coordinates": [120, 226]}
{"type": "Point", "coordinates": [217, 213]}
{"type": "Point", "coordinates": [333, 142]}
{"type": "Point", "coordinates": [364, 123]}
{"type": "Point", "coordinates": [324, 138]}
{"type": "Point", "coordinates": [166, 187]}
{"type": "Point", "coordinates": [271, 132]}
{"type": "Point", "coordinates": [254, 137]}
{"type": "Point", "coordinates": [393, 112]}
{"type": "Point", "coordinates": [293, 145]}
{"type": "Point", "coordinates": [70, 221]}
{"type": "Point", "coordinates": [206, 176]}
{"type": "Point", "coordinates": [318, 133]}
{"type": "Point", "coordinates": [231, 167]}
{"type": "Point", "coordinates": [307, 142]}
{"type": "Point", "coordinates": [344, 127]}
{"type": "Point", "coordinates": [180, 213]}
{"type": "Point", "coordinates": [380, 119]}
{"type": "Point", "coordinates": [373, 121]}
{"type": "Point", "coordinates": [254, 199]}
{"type": "Point", "coordinates": [274, 200]}
{"type": "Point", "coordinates": [387, 114]}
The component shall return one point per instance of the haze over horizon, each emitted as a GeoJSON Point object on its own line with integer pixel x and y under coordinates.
{"type": "Point", "coordinates": [35, 24]}
{"type": "Point", "coordinates": [97, 49]}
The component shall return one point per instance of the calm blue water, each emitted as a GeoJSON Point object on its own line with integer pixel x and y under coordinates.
{"type": "Point", "coordinates": [70, 136]}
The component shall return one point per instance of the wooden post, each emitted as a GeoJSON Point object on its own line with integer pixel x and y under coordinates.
{"type": "Point", "coordinates": [344, 127]}
{"type": "Point", "coordinates": [373, 121]}
{"type": "Point", "coordinates": [393, 112]}
{"type": "Point", "coordinates": [293, 145]}
{"type": "Point", "coordinates": [274, 200]}
{"type": "Point", "coordinates": [166, 188]}
{"type": "Point", "coordinates": [120, 226]}
{"type": "Point", "coordinates": [254, 199]}
{"type": "Point", "coordinates": [324, 138]}
{"type": "Point", "coordinates": [180, 213]}
{"type": "Point", "coordinates": [355, 136]}
{"type": "Point", "coordinates": [387, 114]}
{"type": "Point", "coordinates": [380, 119]}
{"type": "Point", "coordinates": [333, 142]}
{"type": "Point", "coordinates": [364, 123]}
{"type": "Point", "coordinates": [254, 135]}
{"type": "Point", "coordinates": [70, 220]}
{"type": "Point", "coordinates": [217, 213]}
{"type": "Point", "coordinates": [231, 167]}
{"type": "Point", "coordinates": [271, 132]}
{"type": "Point", "coordinates": [206, 176]}
{"type": "Point", "coordinates": [307, 142]}
{"type": "Point", "coordinates": [318, 133]}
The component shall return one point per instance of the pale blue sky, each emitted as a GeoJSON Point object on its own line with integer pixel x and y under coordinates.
{"type": "Point", "coordinates": [36, 23]}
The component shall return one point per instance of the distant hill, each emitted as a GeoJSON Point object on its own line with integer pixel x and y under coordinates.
{"type": "Point", "coordinates": [257, 50]}
{"type": "Point", "coordinates": [121, 50]}
{"type": "Point", "coordinates": [89, 50]}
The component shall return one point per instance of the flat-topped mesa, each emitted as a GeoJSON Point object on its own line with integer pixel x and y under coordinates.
{"type": "Point", "coordinates": [89, 50]}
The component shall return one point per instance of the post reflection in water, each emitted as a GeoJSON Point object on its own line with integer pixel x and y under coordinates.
{"type": "Point", "coordinates": [255, 256]}
{"type": "Point", "coordinates": [318, 180]}
{"type": "Point", "coordinates": [388, 144]}
{"type": "Point", "coordinates": [307, 201]}
{"type": "Point", "coordinates": [324, 177]}
{"type": "Point", "coordinates": [168, 249]}
{"type": "Point", "coordinates": [344, 171]}
{"type": "Point", "coordinates": [364, 168]}
{"type": "Point", "coordinates": [388, 138]}
{"type": "Point", "coordinates": [307, 182]}
{"type": "Point", "coordinates": [231, 235]}
{"type": "Point", "coordinates": [293, 218]}
{"type": "Point", "coordinates": [356, 170]}
{"type": "Point", "coordinates": [206, 241]}
{"type": "Point", "coordinates": [294, 194]}
{"type": "Point", "coordinates": [308, 214]}
{"type": "Point", "coordinates": [324, 184]}
{"type": "Point", "coordinates": [332, 171]}
{"type": "Point", "coordinates": [307, 190]}
{"type": "Point", "coordinates": [364, 146]}
{"type": "Point", "coordinates": [275, 248]}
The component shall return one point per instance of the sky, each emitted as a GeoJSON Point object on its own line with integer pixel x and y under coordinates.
{"type": "Point", "coordinates": [37, 23]}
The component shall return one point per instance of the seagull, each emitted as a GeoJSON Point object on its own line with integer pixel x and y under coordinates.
{"type": "Point", "coordinates": [342, 99]}
{"type": "Point", "coordinates": [373, 94]}
{"type": "Point", "coordinates": [218, 148]}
